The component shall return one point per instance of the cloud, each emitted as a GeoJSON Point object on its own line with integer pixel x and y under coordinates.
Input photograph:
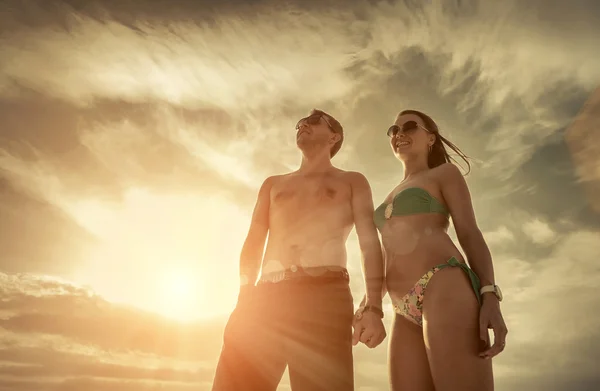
{"type": "Point", "coordinates": [200, 65]}
{"type": "Point", "coordinates": [500, 235]}
{"type": "Point", "coordinates": [43, 305]}
{"type": "Point", "coordinates": [539, 232]}
{"type": "Point", "coordinates": [54, 329]}
{"type": "Point", "coordinates": [485, 75]}
{"type": "Point", "coordinates": [95, 384]}
{"type": "Point", "coordinates": [547, 308]}
{"type": "Point", "coordinates": [37, 178]}
{"type": "Point", "coordinates": [253, 61]}
{"type": "Point", "coordinates": [25, 220]}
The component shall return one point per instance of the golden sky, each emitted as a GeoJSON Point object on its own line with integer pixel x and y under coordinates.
{"type": "Point", "coordinates": [134, 137]}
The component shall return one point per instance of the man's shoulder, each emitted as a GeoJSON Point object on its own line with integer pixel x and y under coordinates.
{"type": "Point", "coordinates": [355, 178]}
{"type": "Point", "coordinates": [272, 180]}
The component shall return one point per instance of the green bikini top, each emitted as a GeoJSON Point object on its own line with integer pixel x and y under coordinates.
{"type": "Point", "coordinates": [410, 201]}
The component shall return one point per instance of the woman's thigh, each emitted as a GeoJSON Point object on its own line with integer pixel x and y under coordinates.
{"type": "Point", "coordinates": [451, 334]}
{"type": "Point", "coordinates": [408, 363]}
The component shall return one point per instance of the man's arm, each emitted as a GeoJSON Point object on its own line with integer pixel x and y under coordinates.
{"type": "Point", "coordinates": [368, 239]}
{"type": "Point", "coordinates": [252, 250]}
{"type": "Point", "coordinates": [383, 285]}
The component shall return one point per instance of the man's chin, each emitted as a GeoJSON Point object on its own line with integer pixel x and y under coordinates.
{"type": "Point", "coordinates": [302, 145]}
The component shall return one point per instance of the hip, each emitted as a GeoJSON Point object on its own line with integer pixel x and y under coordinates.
{"type": "Point", "coordinates": [404, 267]}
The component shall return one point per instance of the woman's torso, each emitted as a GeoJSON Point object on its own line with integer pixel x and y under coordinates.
{"type": "Point", "coordinates": [415, 243]}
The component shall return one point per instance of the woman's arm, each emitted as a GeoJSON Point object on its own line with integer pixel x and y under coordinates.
{"type": "Point", "coordinates": [456, 194]}
{"type": "Point", "coordinates": [458, 198]}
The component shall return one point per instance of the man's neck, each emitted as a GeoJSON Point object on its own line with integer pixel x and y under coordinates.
{"type": "Point", "coordinates": [315, 163]}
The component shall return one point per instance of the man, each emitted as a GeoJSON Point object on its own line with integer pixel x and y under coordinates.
{"type": "Point", "coordinates": [299, 313]}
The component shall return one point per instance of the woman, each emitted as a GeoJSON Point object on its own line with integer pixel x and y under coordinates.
{"type": "Point", "coordinates": [443, 308]}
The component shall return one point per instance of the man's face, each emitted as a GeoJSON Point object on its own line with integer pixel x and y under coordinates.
{"type": "Point", "coordinates": [314, 130]}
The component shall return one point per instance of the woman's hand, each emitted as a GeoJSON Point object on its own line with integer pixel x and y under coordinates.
{"type": "Point", "coordinates": [368, 329]}
{"type": "Point", "coordinates": [490, 317]}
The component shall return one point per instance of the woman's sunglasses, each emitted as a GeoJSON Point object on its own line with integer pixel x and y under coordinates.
{"type": "Point", "coordinates": [407, 127]}
{"type": "Point", "coordinates": [313, 120]}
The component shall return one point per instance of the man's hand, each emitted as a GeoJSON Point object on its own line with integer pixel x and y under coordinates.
{"type": "Point", "coordinates": [368, 329]}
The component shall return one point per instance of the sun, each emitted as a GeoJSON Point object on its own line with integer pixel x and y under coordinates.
{"type": "Point", "coordinates": [177, 254]}
{"type": "Point", "coordinates": [180, 295]}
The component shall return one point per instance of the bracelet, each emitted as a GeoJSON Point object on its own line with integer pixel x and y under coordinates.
{"type": "Point", "coordinates": [372, 308]}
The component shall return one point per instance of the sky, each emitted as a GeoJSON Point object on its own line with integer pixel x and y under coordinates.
{"type": "Point", "coordinates": [134, 136]}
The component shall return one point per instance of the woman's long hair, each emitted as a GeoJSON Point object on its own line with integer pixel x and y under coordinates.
{"type": "Point", "coordinates": [438, 154]}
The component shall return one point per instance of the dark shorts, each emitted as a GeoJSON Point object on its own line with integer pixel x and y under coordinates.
{"type": "Point", "coordinates": [306, 325]}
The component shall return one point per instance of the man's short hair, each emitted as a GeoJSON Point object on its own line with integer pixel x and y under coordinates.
{"type": "Point", "coordinates": [336, 127]}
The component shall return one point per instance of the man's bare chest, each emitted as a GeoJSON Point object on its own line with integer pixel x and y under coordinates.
{"type": "Point", "coordinates": [310, 193]}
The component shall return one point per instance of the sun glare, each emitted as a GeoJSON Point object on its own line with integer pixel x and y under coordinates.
{"type": "Point", "coordinates": [172, 254]}
{"type": "Point", "coordinates": [180, 295]}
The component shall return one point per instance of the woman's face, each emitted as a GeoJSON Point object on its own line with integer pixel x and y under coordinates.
{"type": "Point", "coordinates": [409, 137]}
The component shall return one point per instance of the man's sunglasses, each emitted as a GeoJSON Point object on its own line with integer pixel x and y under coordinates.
{"type": "Point", "coordinates": [407, 127]}
{"type": "Point", "coordinates": [313, 120]}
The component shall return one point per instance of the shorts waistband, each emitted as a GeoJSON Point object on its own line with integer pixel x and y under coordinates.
{"type": "Point", "coordinates": [307, 274]}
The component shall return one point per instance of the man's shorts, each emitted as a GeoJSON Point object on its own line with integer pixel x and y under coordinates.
{"type": "Point", "coordinates": [304, 321]}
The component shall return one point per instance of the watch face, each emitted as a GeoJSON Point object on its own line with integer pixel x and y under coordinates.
{"type": "Point", "coordinates": [498, 292]}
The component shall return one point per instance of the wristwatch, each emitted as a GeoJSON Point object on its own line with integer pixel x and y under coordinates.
{"type": "Point", "coordinates": [495, 289]}
{"type": "Point", "coordinates": [374, 309]}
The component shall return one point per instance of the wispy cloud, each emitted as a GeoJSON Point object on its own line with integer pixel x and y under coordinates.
{"type": "Point", "coordinates": [37, 177]}
{"type": "Point", "coordinates": [501, 235]}
{"type": "Point", "coordinates": [539, 232]}
{"type": "Point", "coordinates": [250, 64]}
{"type": "Point", "coordinates": [200, 65]}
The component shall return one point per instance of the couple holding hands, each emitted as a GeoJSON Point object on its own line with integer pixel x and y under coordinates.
{"type": "Point", "coordinates": [299, 312]}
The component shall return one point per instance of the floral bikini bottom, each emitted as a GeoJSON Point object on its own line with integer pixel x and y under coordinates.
{"type": "Point", "coordinates": [410, 305]}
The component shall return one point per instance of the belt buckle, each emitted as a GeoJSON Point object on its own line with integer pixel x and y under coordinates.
{"type": "Point", "coordinates": [290, 273]}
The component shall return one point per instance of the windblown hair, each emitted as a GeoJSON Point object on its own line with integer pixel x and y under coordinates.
{"type": "Point", "coordinates": [439, 155]}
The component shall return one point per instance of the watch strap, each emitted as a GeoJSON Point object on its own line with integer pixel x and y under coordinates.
{"type": "Point", "coordinates": [495, 289]}
{"type": "Point", "coordinates": [487, 288]}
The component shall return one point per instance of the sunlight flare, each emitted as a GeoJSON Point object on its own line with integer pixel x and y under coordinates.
{"type": "Point", "coordinates": [158, 253]}
{"type": "Point", "coordinates": [180, 294]}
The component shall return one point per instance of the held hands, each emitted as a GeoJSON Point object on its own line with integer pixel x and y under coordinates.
{"type": "Point", "coordinates": [490, 317]}
{"type": "Point", "coordinates": [368, 328]}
